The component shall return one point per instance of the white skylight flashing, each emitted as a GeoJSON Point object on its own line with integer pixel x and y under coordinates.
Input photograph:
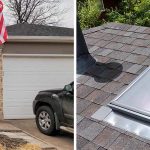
{"type": "Point", "coordinates": [135, 100]}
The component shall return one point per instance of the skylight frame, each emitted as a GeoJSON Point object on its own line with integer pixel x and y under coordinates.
{"type": "Point", "coordinates": [130, 110]}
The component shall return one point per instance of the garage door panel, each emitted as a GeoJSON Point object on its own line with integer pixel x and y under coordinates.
{"type": "Point", "coordinates": [39, 65]}
{"type": "Point", "coordinates": [35, 79]}
{"type": "Point", "coordinates": [24, 113]}
{"type": "Point", "coordinates": [7, 73]}
{"type": "Point", "coordinates": [26, 89]}
{"type": "Point", "coordinates": [58, 68]}
{"type": "Point", "coordinates": [11, 102]}
{"type": "Point", "coordinates": [32, 87]}
{"type": "Point", "coordinates": [22, 95]}
{"type": "Point", "coordinates": [24, 77]}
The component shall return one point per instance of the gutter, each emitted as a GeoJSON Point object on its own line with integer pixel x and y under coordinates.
{"type": "Point", "coordinates": [43, 39]}
{"type": "Point", "coordinates": [38, 55]}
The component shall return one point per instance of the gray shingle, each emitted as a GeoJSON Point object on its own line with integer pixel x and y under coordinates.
{"type": "Point", "coordinates": [102, 43]}
{"type": "Point", "coordinates": [81, 142]}
{"type": "Point", "coordinates": [147, 36]}
{"type": "Point", "coordinates": [103, 51]}
{"type": "Point", "coordinates": [147, 31]}
{"type": "Point", "coordinates": [121, 142]}
{"type": "Point", "coordinates": [38, 30]}
{"type": "Point", "coordinates": [92, 131]}
{"type": "Point", "coordinates": [98, 96]}
{"type": "Point", "coordinates": [119, 55]}
{"type": "Point", "coordinates": [98, 35]}
{"type": "Point", "coordinates": [141, 29]}
{"type": "Point", "coordinates": [84, 91]}
{"type": "Point", "coordinates": [126, 40]}
{"type": "Point", "coordinates": [141, 42]}
{"type": "Point", "coordinates": [82, 105]}
{"type": "Point", "coordinates": [91, 41]}
{"type": "Point", "coordinates": [90, 110]}
{"type": "Point", "coordinates": [93, 48]}
{"type": "Point", "coordinates": [142, 51]}
{"type": "Point", "coordinates": [95, 82]}
{"type": "Point", "coordinates": [101, 59]}
{"type": "Point", "coordinates": [106, 137]}
{"type": "Point", "coordinates": [146, 62]}
{"type": "Point", "coordinates": [127, 78]}
{"type": "Point", "coordinates": [79, 118]}
{"type": "Point", "coordinates": [108, 37]}
{"type": "Point", "coordinates": [137, 35]}
{"type": "Point", "coordinates": [142, 69]}
{"type": "Point", "coordinates": [133, 28]}
{"type": "Point", "coordinates": [85, 123]}
{"type": "Point", "coordinates": [128, 48]}
{"type": "Point", "coordinates": [110, 98]}
{"type": "Point", "coordinates": [135, 68]}
{"type": "Point", "coordinates": [112, 87]}
{"type": "Point", "coordinates": [83, 78]}
{"type": "Point", "coordinates": [90, 146]}
{"type": "Point", "coordinates": [134, 59]}
{"type": "Point", "coordinates": [111, 31]}
{"type": "Point", "coordinates": [114, 45]}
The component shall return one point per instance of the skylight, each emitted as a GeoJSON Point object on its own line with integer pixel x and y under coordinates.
{"type": "Point", "coordinates": [135, 100]}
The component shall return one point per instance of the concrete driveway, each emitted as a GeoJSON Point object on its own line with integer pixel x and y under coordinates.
{"type": "Point", "coordinates": [62, 141]}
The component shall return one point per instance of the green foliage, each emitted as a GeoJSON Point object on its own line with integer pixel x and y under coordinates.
{"type": "Point", "coordinates": [135, 12]}
{"type": "Point", "coordinates": [88, 13]}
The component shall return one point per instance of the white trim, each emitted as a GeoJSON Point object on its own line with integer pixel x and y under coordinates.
{"type": "Point", "coordinates": [38, 55]}
{"type": "Point", "coordinates": [48, 39]}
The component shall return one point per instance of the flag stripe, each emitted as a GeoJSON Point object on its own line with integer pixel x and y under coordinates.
{"type": "Point", "coordinates": [5, 35]}
{"type": "Point", "coordinates": [1, 14]}
{"type": "Point", "coordinates": [1, 23]}
{"type": "Point", "coordinates": [3, 31]}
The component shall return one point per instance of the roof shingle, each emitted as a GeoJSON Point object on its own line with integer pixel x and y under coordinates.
{"type": "Point", "coordinates": [128, 46]}
{"type": "Point", "coordinates": [38, 30]}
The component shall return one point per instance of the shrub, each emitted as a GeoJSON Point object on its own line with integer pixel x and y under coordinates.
{"type": "Point", "coordinates": [135, 12]}
{"type": "Point", "coordinates": [88, 13]}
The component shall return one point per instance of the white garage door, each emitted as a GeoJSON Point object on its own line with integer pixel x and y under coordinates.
{"type": "Point", "coordinates": [24, 77]}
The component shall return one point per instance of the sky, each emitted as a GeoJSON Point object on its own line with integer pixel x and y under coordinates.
{"type": "Point", "coordinates": [67, 17]}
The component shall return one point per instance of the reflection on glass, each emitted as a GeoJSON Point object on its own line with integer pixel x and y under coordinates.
{"type": "Point", "coordinates": [137, 96]}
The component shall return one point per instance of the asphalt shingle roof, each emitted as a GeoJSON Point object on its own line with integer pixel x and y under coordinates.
{"type": "Point", "coordinates": [123, 52]}
{"type": "Point", "coordinates": [38, 30]}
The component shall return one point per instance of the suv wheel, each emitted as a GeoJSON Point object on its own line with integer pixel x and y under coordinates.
{"type": "Point", "coordinates": [45, 120]}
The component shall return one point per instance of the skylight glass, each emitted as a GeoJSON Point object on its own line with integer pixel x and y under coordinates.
{"type": "Point", "coordinates": [135, 100]}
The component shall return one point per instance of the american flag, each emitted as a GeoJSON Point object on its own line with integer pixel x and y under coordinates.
{"type": "Point", "coordinates": [3, 31]}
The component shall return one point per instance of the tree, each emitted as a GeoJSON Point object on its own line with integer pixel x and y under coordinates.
{"type": "Point", "coordinates": [44, 12]}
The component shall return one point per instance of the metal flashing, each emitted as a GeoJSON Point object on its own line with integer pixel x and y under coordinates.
{"type": "Point", "coordinates": [135, 100]}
